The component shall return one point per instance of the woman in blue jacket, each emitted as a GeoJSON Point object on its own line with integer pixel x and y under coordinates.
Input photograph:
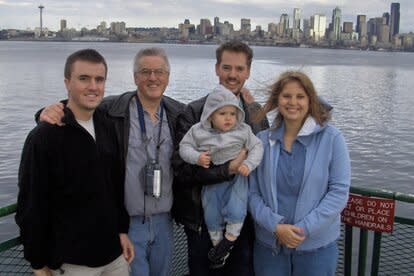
{"type": "Point", "coordinates": [299, 190]}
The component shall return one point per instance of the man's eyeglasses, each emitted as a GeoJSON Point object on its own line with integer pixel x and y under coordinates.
{"type": "Point", "coordinates": [146, 73]}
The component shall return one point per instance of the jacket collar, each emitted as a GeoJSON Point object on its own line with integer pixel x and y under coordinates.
{"type": "Point", "coordinates": [121, 105]}
{"type": "Point", "coordinates": [305, 134]}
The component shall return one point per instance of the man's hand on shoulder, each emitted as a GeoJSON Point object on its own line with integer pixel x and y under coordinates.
{"type": "Point", "coordinates": [52, 114]}
{"type": "Point", "coordinates": [247, 96]}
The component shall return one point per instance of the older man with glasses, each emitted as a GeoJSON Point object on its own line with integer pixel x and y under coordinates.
{"type": "Point", "coordinates": [145, 122]}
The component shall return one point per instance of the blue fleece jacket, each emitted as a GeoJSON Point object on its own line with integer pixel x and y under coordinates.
{"type": "Point", "coordinates": [323, 194]}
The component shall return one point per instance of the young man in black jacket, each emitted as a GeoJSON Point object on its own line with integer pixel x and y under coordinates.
{"type": "Point", "coordinates": [70, 206]}
{"type": "Point", "coordinates": [233, 69]}
{"type": "Point", "coordinates": [144, 122]}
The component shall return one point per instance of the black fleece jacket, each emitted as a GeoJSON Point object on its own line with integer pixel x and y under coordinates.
{"type": "Point", "coordinates": [70, 202]}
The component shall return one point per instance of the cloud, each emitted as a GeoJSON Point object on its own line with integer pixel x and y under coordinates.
{"type": "Point", "coordinates": [15, 3]}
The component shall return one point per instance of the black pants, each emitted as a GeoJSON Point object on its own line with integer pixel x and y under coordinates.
{"type": "Point", "coordinates": [239, 263]}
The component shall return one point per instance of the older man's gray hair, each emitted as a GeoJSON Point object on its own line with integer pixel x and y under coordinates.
{"type": "Point", "coordinates": [148, 52]}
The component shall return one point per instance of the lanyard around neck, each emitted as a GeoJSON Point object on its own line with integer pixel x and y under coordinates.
{"type": "Point", "coordinates": [144, 136]}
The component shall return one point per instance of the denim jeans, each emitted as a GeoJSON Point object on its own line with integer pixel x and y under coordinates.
{"type": "Point", "coordinates": [153, 244]}
{"type": "Point", "coordinates": [318, 262]}
{"type": "Point", "coordinates": [240, 262]}
{"type": "Point", "coordinates": [225, 204]}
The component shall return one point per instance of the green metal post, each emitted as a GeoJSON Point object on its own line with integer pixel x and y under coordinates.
{"type": "Point", "coordinates": [348, 251]}
{"type": "Point", "coordinates": [376, 251]}
{"type": "Point", "coordinates": [362, 258]}
{"type": "Point", "coordinates": [7, 210]}
{"type": "Point", "coordinates": [9, 244]}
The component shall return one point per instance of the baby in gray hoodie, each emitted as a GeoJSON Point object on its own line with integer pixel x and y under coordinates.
{"type": "Point", "coordinates": [218, 138]}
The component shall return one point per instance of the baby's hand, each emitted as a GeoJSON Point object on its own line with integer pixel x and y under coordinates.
{"type": "Point", "coordinates": [244, 170]}
{"type": "Point", "coordinates": [204, 159]}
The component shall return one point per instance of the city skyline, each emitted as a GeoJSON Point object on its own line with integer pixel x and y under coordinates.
{"type": "Point", "coordinates": [19, 14]}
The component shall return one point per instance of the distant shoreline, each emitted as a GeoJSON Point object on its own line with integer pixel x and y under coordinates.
{"type": "Point", "coordinates": [251, 43]}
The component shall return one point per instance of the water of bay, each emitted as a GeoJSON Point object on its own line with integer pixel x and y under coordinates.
{"type": "Point", "coordinates": [371, 93]}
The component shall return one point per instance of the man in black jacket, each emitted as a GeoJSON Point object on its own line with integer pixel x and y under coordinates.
{"type": "Point", "coordinates": [70, 205]}
{"type": "Point", "coordinates": [233, 69]}
{"type": "Point", "coordinates": [144, 121]}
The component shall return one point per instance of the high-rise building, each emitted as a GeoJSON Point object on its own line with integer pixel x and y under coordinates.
{"type": "Point", "coordinates": [118, 27]}
{"type": "Point", "coordinates": [383, 33]}
{"type": "Point", "coordinates": [216, 25]}
{"type": "Point", "coordinates": [395, 19]}
{"type": "Point", "coordinates": [296, 18]}
{"type": "Point", "coordinates": [284, 24]}
{"type": "Point", "coordinates": [378, 27]}
{"type": "Point", "coordinates": [258, 32]}
{"type": "Point", "coordinates": [371, 27]}
{"type": "Point", "coordinates": [205, 27]}
{"type": "Point", "coordinates": [361, 27]}
{"type": "Point", "coordinates": [272, 28]}
{"type": "Point", "coordinates": [186, 28]}
{"type": "Point", "coordinates": [336, 23]}
{"type": "Point", "coordinates": [386, 15]}
{"type": "Point", "coordinates": [245, 26]}
{"type": "Point", "coordinates": [348, 27]}
{"type": "Point", "coordinates": [226, 29]}
{"type": "Point", "coordinates": [63, 25]}
{"type": "Point", "coordinates": [306, 28]}
{"type": "Point", "coordinates": [318, 26]}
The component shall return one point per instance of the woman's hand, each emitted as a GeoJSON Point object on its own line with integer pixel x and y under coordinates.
{"type": "Point", "coordinates": [290, 235]}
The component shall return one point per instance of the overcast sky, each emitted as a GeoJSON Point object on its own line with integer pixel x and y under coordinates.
{"type": "Point", "coordinates": [23, 14]}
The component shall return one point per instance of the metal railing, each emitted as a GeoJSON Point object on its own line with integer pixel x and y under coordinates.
{"type": "Point", "coordinates": [374, 253]}
{"type": "Point", "coordinates": [387, 254]}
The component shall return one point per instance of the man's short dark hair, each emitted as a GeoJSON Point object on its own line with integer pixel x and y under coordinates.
{"type": "Point", "coordinates": [90, 55]}
{"type": "Point", "coordinates": [235, 46]}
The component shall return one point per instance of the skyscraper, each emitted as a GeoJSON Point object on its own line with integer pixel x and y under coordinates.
{"type": "Point", "coordinates": [216, 25]}
{"type": "Point", "coordinates": [63, 25]}
{"type": "Point", "coordinates": [307, 28]}
{"type": "Point", "coordinates": [186, 28]}
{"type": "Point", "coordinates": [245, 26]}
{"type": "Point", "coordinates": [361, 27]}
{"type": "Point", "coordinates": [348, 27]}
{"type": "Point", "coordinates": [395, 19]}
{"type": "Point", "coordinates": [118, 27]}
{"type": "Point", "coordinates": [296, 18]}
{"type": "Point", "coordinates": [386, 15]}
{"type": "Point", "coordinates": [205, 27]}
{"type": "Point", "coordinates": [336, 23]}
{"type": "Point", "coordinates": [284, 24]}
{"type": "Point", "coordinates": [318, 26]}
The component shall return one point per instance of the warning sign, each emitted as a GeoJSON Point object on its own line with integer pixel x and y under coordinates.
{"type": "Point", "coordinates": [370, 213]}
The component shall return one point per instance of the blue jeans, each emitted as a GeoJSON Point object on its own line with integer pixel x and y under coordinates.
{"type": "Point", "coordinates": [318, 262]}
{"type": "Point", "coordinates": [225, 204]}
{"type": "Point", "coordinates": [153, 244]}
